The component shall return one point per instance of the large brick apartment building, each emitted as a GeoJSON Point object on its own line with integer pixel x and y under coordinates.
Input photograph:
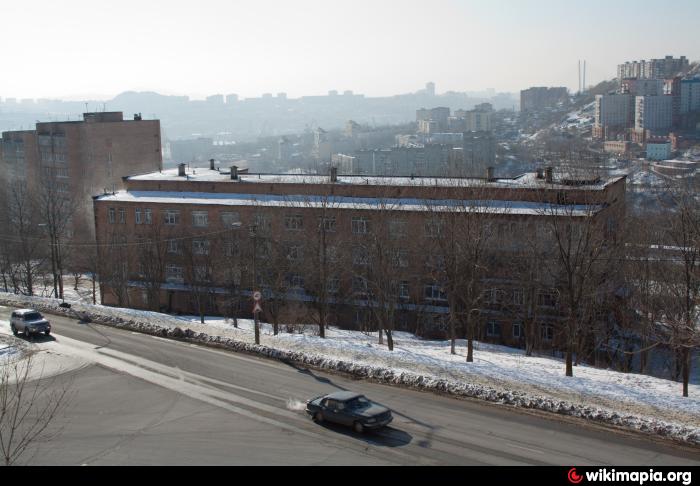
{"type": "Point", "coordinates": [82, 158]}
{"type": "Point", "coordinates": [172, 236]}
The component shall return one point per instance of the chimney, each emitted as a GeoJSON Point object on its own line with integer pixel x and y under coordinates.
{"type": "Point", "coordinates": [334, 174]}
{"type": "Point", "coordinates": [540, 173]}
{"type": "Point", "coordinates": [212, 164]}
{"type": "Point", "coordinates": [234, 173]}
{"type": "Point", "coordinates": [489, 174]}
{"type": "Point", "coordinates": [181, 170]}
{"type": "Point", "coordinates": [549, 175]}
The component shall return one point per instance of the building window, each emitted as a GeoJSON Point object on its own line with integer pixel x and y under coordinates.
{"type": "Point", "coordinates": [518, 297]}
{"type": "Point", "coordinates": [327, 224]}
{"type": "Point", "coordinates": [493, 328]}
{"type": "Point", "coordinates": [200, 219]}
{"type": "Point", "coordinates": [397, 229]}
{"type": "Point", "coordinates": [202, 274]}
{"type": "Point", "coordinates": [518, 330]}
{"type": "Point", "coordinates": [293, 222]}
{"type": "Point", "coordinates": [547, 332]}
{"type": "Point", "coordinates": [433, 229]}
{"type": "Point", "coordinates": [295, 282]}
{"type": "Point", "coordinates": [436, 263]}
{"type": "Point", "coordinates": [122, 216]}
{"type": "Point", "coordinates": [263, 223]}
{"type": "Point", "coordinates": [200, 247]}
{"type": "Point", "coordinates": [360, 256]}
{"type": "Point", "coordinates": [360, 286]}
{"type": "Point", "coordinates": [400, 258]}
{"type": "Point", "coordinates": [435, 292]}
{"type": "Point", "coordinates": [331, 254]}
{"type": "Point", "coordinates": [400, 289]}
{"type": "Point", "coordinates": [295, 253]}
{"type": "Point", "coordinates": [171, 217]}
{"type": "Point", "coordinates": [173, 274]}
{"type": "Point", "coordinates": [230, 219]}
{"type": "Point", "coordinates": [147, 216]}
{"type": "Point", "coordinates": [547, 299]}
{"type": "Point", "coordinates": [137, 214]}
{"type": "Point", "coordinates": [360, 226]}
{"type": "Point", "coordinates": [111, 215]}
{"type": "Point", "coordinates": [333, 286]}
{"type": "Point", "coordinates": [174, 246]}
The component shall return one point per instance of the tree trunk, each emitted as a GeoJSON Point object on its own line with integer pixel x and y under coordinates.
{"type": "Point", "coordinates": [389, 340]}
{"type": "Point", "coordinates": [275, 327]}
{"type": "Point", "coordinates": [686, 370]}
{"type": "Point", "coordinates": [453, 338]}
{"type": "Point", "coordinates": [470, 349]}
{"type": "Point", "coordinates": [381, 336]}
{"type": "Point", "coordinates": [569, 361]}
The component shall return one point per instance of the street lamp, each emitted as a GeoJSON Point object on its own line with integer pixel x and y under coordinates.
{"type": "Point", "coordinates": [253, 232]}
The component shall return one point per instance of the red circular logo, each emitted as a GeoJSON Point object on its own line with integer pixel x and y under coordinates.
{"type": "Point", "coordinates": [573, 477]}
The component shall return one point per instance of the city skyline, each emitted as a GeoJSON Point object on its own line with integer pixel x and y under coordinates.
{"type": "Point", "coordinates": [308, 48]}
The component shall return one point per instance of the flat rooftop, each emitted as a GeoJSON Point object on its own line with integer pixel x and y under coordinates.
{"type": "Point", "coordinates": [528, 180]}
{"type": "Point", "coordinates": [502, 207]}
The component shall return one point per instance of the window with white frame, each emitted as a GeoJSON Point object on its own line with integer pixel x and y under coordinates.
{"type": "Point", "coordinates": [295, 253]}
{"type": "Point", "coordinates": [294, 222]}
{"type": "Point", "coordinates": [546, 332]}
{"type": "Point", "coordinates": [333, 285]}
{"type": "Point", "coordinates": [518, 298]}
{"type": "Point", "coordinates": [147, 216]}
{"type": "Point", "coordinates": [397, 229]}
{"type": "Point", "coordinates": [111, 215]}
{"type": "Point", "coordinates": [174, 246]}
{"type": "Point", "coordinates": [262, 223]}
{"type": "Point", "coordinates": [399, 257]}
{"type": "Point", "coordinates": [433, 228]}
{"type": "Point", "coordinates": [122, 215]}
{"type": "Point", "coordinates": [331, 254]}
{"type": "Point", "coordinates": [173, 274]}
{"type": "Point", "coordinates": [435, 292]}
{"type": "Point", "coordinates": [436, 262]}
{"type": "Point", "coordinates": [493, 328]}
{"type": "Point", "coordinates": [200, 247]}
{"type": "Point", "coordinates": [171, 217]}
{"type": "Point", "coordinates": [200, 219]}
{"type": "Point", "coordinates": [137, 216]}
{"type": "Point", "coordinates": [229, 219]}
{"type": "Point", "coordinates": [547, 299]}
{"type": "Point", "coordinates": [295, 282]}
{"type": "Point", "coordinates": [360, 226]}
{"type": "Point", "coordinates": [327, 224]}
{"type": "Point", "coordinates": [360, 256]}
{"type": "Point", "coordinates": [202, 273]}
{"type": "Point", "coordinates": [518, 330]}
{"type": "Point", "coordinates": [360, 285]}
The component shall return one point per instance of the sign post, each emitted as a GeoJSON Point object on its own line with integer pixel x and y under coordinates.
{"type": "Point", "coordinates": [257, 297]}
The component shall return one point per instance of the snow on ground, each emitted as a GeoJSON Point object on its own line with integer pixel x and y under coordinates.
{"type": "Point", "coordinates": [495, 367]}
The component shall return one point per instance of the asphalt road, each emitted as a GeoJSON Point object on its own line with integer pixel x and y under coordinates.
{"type": "Point", "coordinates": [138, 399]}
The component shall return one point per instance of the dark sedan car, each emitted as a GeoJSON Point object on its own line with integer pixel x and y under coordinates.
{"type": "Point", "coordinates": [347, 408]}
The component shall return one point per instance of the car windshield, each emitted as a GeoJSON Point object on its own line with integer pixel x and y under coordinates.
{"type": "Point", "coordinates": [358, 403]}
{"type": "Point", "coordinates": [32, 316]}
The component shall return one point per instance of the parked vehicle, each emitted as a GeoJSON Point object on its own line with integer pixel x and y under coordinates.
{"type": "Point", "coordinates": [29, 322]}
{"type": "Point", "coordinates": [348, 408]}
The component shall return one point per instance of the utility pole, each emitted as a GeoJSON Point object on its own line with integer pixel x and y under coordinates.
{"type": "Point", "coordinates": [256, 309]}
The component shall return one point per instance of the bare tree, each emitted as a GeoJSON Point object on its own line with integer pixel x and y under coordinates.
{"type": "Point", "coordinates": [29, 406]}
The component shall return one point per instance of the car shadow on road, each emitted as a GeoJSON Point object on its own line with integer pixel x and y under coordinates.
{"type": "Point", "coordinates": [36, 338]}
{"type": "Point", "coordinates": [385, 437]}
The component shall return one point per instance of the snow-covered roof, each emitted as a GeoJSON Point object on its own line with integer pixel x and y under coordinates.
{"type": "Point", "coordinates": [206, 175]}
{"type": "Point", "coordinates": [351, 203]}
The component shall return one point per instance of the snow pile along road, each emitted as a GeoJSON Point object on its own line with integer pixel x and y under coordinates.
{"type": "Point", "coordinates": [498, 374]}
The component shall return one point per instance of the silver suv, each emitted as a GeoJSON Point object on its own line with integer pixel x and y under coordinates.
{"type": "Point", "coordinates": [29, 322]}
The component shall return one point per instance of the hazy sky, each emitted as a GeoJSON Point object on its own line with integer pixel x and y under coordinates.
{"type": "Point", "coordinates": [99, 48]}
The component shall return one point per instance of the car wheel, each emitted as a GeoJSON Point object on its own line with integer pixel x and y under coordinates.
{"type": "Point", "coordinates": [358, 427]}
{"type": "Point", "coordinates": [47, 332]}
{"type": "Point", "coordinates": [14, 329]}
{"type": "Point", "coordinates": [318, 417]}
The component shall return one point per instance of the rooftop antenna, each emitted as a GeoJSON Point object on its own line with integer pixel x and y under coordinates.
{"type": "Point", "coordinates": [86, 107]}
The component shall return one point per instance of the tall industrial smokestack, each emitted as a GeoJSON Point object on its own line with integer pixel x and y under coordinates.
{"type": "Point", "coordinates": [584, 75]}
{"type": "Point", "coordinates": [579, 76]}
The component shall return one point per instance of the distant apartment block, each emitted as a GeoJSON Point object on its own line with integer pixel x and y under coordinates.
{"type": "Point", "coordinates": [690, 95]}
{"type": "Point", "coordinates": [667, 67]}
{"type": "Point", "coordinates": [614, 111]}
{"type": "Point", "coordinates": [432, 120]}
{"type": "Point", "coordinates": [541, 98]}
{"type": "Point", "coordinates": [653, 113]}
{"type": "Point", "coordinates": [79, 159]}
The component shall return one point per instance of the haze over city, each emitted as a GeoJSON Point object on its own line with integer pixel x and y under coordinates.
{"type": "Point", "coordinates": [95, 50]}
